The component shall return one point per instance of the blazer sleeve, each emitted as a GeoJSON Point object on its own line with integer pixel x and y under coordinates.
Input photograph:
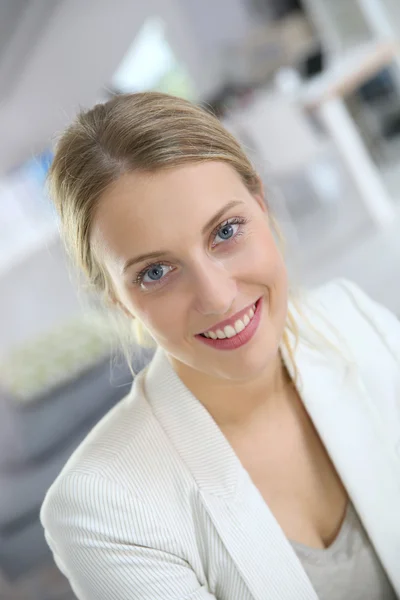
{"type": "Point", "coordinates": [382, 320]}
{"type": "Point", "coordinates": [103, 542]}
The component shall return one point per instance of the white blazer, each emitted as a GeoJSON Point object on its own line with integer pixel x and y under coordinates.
{"type": "Point", "coordinates": [156, 505]}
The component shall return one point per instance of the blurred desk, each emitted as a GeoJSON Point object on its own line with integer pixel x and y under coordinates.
{"type": "Point", "coordinates": [324, 96]}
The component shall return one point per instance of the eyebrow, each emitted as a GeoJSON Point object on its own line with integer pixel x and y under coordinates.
{"type": "Point", "coordinates": [159, 253]}
{"type": "Point", "coordinates": [214, 220]}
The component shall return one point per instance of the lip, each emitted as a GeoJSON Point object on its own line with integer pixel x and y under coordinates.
{"type": "Point", "coordinates": [231, 321]}
{"type": "Point", "coordinates": [241, 338]}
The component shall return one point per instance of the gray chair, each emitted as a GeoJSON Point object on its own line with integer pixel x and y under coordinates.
{"type": "Point", "coordinates": [36, 440]}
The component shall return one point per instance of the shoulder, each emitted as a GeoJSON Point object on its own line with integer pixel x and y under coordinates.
{"type": "Point", "coordinates": [116, 438]}
{"type": "Point", "coordinates": [119, 462]}
{"type": "Point", "coordinates": [347, 304]}
{"type": "Point", "coordinates": [348, 317]}
{"type": "Point", "coordinates": [110, 519]}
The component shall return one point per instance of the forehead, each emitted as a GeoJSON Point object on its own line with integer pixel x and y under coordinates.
{"type": "Point", "coordinates": [142, 210]}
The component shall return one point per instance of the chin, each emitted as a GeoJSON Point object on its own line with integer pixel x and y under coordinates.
{"type": "Point", "coordinates": [249, 367]}
{"type": "Point", "coordinates": [249, 361]}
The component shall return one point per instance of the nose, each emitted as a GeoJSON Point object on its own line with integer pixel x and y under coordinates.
{"type": "Point", "coordinates": [214, 288]}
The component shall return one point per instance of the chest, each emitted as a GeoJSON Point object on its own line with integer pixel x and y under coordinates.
{"type": "Point", "coordinates": [290, 467]}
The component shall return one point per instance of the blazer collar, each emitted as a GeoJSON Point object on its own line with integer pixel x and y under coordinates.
{"type": "Point", "coordinates": [343, 414]}
{"type": "Point", "coordinates": [243, 521]}
{"type": "Point", "coordinates": [192, 430]}
{"type": "Point", "coordinates": [347, 420]}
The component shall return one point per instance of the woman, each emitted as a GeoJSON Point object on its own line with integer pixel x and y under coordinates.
{"type": "Point", "coordinates": [257, 457]}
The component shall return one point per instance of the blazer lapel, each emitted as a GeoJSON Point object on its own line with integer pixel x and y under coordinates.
{"type": "Point", "coordinates": [246, 526]}
{"type": "Point", "coordinates": [257, 544]}
{"type": "Point", "coordinates": [346, 420]}
{"type": "Point", "coordinates": [344, 417]}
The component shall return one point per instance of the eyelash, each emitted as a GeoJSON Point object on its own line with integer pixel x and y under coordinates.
{"type": "Point", "coordinates": [233, 221]}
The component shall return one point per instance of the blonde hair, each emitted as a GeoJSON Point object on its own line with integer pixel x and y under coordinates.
{"type": "Point", "coordinates": [144, 132]}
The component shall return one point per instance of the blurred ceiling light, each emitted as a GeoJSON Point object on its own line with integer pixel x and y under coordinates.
{"type": "Point", "coordinates": [148, 59]}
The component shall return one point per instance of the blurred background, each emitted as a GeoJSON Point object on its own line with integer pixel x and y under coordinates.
{"type": "Point", "coordinates": [312, 90]}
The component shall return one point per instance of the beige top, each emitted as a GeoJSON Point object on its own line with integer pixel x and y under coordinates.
{"type": "Point", "coordinates": [349, 568]}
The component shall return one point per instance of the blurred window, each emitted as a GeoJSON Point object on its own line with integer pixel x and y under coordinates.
{"type": "Point", "coordinates": [27, 218]}
{"type": "Point", "coordinates": [150, 64]}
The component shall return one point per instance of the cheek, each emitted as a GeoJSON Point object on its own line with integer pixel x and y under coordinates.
{"type": "Point", "coordinates": [269, 269]}
{"type": "Point", "coordinates": [162, 317]}
{"type": "Point", "coordinates": [262, 255]}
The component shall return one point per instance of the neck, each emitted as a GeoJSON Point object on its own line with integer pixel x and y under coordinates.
{"type": "Point", "coordinates": [233, 404]}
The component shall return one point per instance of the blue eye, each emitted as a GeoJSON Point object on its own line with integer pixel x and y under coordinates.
{"type": "Point", "coordinates": [152, 274]}
{"type": "Point", "coordinates": [155, 273]}
{"type": "Point", "coordinates": [227, 230]}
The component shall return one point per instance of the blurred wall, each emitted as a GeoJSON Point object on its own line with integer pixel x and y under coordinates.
{"type": "Point", "coordinates": [35, 295]}
{"type": "Point", "coordinates": [79, 47]}
{"type": "Point", "coordinates": [75, 55]}
{"type": "Point", "coordinates": [217, 23]}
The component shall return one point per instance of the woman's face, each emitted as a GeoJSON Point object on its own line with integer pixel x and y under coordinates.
{"type": "Point", "coordinates": [190, 252]}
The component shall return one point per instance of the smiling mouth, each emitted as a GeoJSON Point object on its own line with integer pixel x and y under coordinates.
{"type": "Point", "coordinates": [234, 328]}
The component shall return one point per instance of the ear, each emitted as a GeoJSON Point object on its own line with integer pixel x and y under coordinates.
{"type": "Point", "coordinates": [114, 301]}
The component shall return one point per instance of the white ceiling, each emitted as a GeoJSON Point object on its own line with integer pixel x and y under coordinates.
{"type": "Point", "coordinates": [57, 55]}
{"type": "Point", "coordinates": [10, 13]}
{"type": "Point", "coordinates": [21, 24]}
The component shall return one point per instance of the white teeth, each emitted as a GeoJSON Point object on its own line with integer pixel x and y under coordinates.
{"type": "Point", "coordinates": [229, 331]}
{"type": "Point", "coordinates": [239, 326]}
